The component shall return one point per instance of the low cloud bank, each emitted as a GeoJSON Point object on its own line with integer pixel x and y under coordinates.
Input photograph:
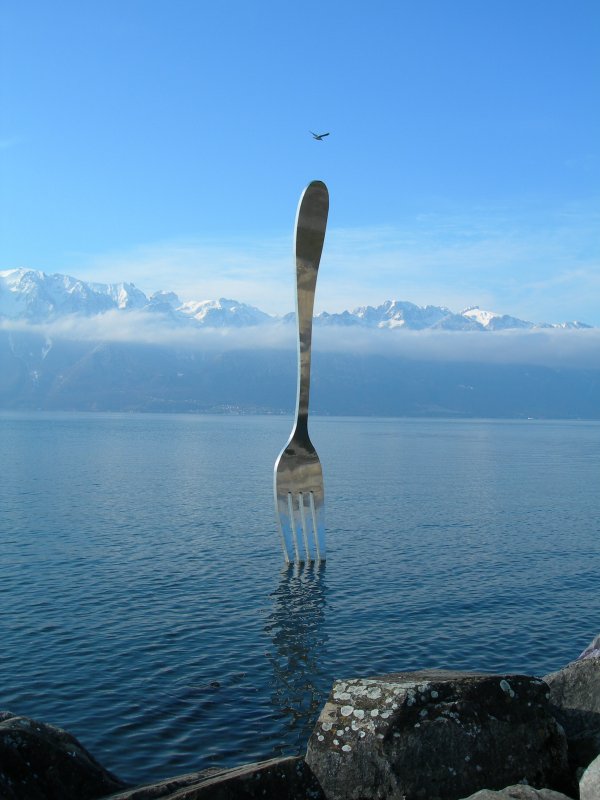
{"type": "Point", "coordinates": [545, 347]}
{"type": "Point", "coordinates": [141, 327]}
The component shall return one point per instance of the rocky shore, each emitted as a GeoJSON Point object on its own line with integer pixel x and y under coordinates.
{"type": "Point", "coordinates": [427, 735]}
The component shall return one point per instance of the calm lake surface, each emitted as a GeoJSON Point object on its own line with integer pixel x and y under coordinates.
{"type": "Point", "coordinates": [143, 603]}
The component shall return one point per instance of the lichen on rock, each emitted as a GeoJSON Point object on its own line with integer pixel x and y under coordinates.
{"type": "Point", "coordinates": [436, 734]}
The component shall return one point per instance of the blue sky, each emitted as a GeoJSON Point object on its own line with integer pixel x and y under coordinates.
{"type": "Point", "coordinates": [167, 142]}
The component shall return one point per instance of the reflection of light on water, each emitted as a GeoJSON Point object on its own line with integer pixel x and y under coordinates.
{"type": "Point", "coordinates": [295, 628]}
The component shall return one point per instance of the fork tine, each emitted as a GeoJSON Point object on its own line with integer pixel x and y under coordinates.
{"type": "Point", "coordinates": [300, 520]}
{"type": "Point", "coordinates": [318, 527]}
{"type": "Point", "coordinates": [293, 526]}
{"type": "Point", "coordinates": [300, 517]}
{"type": "Point", "coordinates": [285, 529]}
{"type": "Point", "coordinates": [310, 556]}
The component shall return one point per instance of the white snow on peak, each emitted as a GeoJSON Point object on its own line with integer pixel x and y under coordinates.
{"type": "Point", "coordinates": [492, 321]}
{"type": "Point", "coordinates": [479, 315]}
{"type": "Point", "coordinates": [123, 295]}
{"type": "Point", "coordinates": [36, 296]}
{"type": "Point", "coordinates": [574, 325]}
{"type": "Point", "coordinates": [222, 312]}
{"type": "Point", "coordinates": [400, 314]}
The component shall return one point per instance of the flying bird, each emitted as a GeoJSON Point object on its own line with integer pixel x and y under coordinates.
{"type": "Point", "coordinates": [319, 136]}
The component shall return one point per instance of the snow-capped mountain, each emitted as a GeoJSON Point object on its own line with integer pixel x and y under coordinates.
{"type": "Point", "coordinates": [37, 297]}
{"type": "Point", "coordinates": [222, 312]}
{"type": "Point", "coordinates": [400, 314]}
{"type": "Point", "coordinates": [492, 321]}
{"type": "Point", "coordinates": [34, 296]}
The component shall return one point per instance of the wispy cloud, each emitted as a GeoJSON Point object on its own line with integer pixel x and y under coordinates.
{"type": "Point", "coordinates": [255, 272]}
{"type": "Point", "coordinates": [491, 262]}
{"type": "Point", "coordinates": [548, 347]}
{"type": "Point", "coordinates": [547, 271]}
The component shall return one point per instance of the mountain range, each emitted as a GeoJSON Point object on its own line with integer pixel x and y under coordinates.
{"type": "Point", "coordinates": [36, 297]}
{"type": "Point", "coordinates": [67, 345]}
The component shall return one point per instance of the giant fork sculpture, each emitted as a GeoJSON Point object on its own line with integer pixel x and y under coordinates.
{"type": "Point", "coordinates": [299, 496]}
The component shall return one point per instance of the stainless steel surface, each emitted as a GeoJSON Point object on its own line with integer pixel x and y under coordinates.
{"type": "Point", "coordinates": [299, 495]}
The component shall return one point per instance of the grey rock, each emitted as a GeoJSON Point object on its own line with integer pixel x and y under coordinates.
{"type": "Point", "coordinates": [592, 650]}
{"type": "Point", "coordinates": [575, 701]}
{"type": "Point", "coordinates": [589, 785]}
{"type": "Point", "coordinates": [276, 779]}
{"type": "Point", "coordinates": [436, 735]}
{"type": "Point", "coordinates": [518, 792]}
{"type": "Point", "coordinates": [42, 762]}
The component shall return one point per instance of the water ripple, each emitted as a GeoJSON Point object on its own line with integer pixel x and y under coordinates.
{"type": "Point", "coordinates": [144, 604]}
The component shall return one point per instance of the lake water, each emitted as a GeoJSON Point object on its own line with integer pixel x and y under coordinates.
{"type": "Point", "coordinates": [143, 603]}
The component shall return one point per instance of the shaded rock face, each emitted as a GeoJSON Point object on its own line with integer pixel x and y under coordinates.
{"type": "Point", "coordinates": [276, 779]}
{"type": "Point", "coordinates": [589, 785]}
{"type": "Point", "coordinates": [575, 701]}
{"type": "Point", "coordinates": [42, 762]}
{"type": "Point", "coordinates": [436, 735]}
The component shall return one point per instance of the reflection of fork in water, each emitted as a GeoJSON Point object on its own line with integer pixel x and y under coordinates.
{"type": "Point", "coordinates": [295, 629]}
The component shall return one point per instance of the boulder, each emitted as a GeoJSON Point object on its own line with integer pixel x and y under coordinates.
{"type": "Point", "coordinates": [275, 779]}
{"type": "Point", "coordinates": [436, 735]}
{"type": "Point", "coordinates": [589, 785]}
{"type": "Point", "coordinates": [575, 701]}
{"type": "Point", "coordinates": [42, 762]}
{"type": "Point", "coordinates": [518, 792]}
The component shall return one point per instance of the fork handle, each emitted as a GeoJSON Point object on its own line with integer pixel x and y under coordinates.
{"type": "Point", "coordinates": [311, 221]}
